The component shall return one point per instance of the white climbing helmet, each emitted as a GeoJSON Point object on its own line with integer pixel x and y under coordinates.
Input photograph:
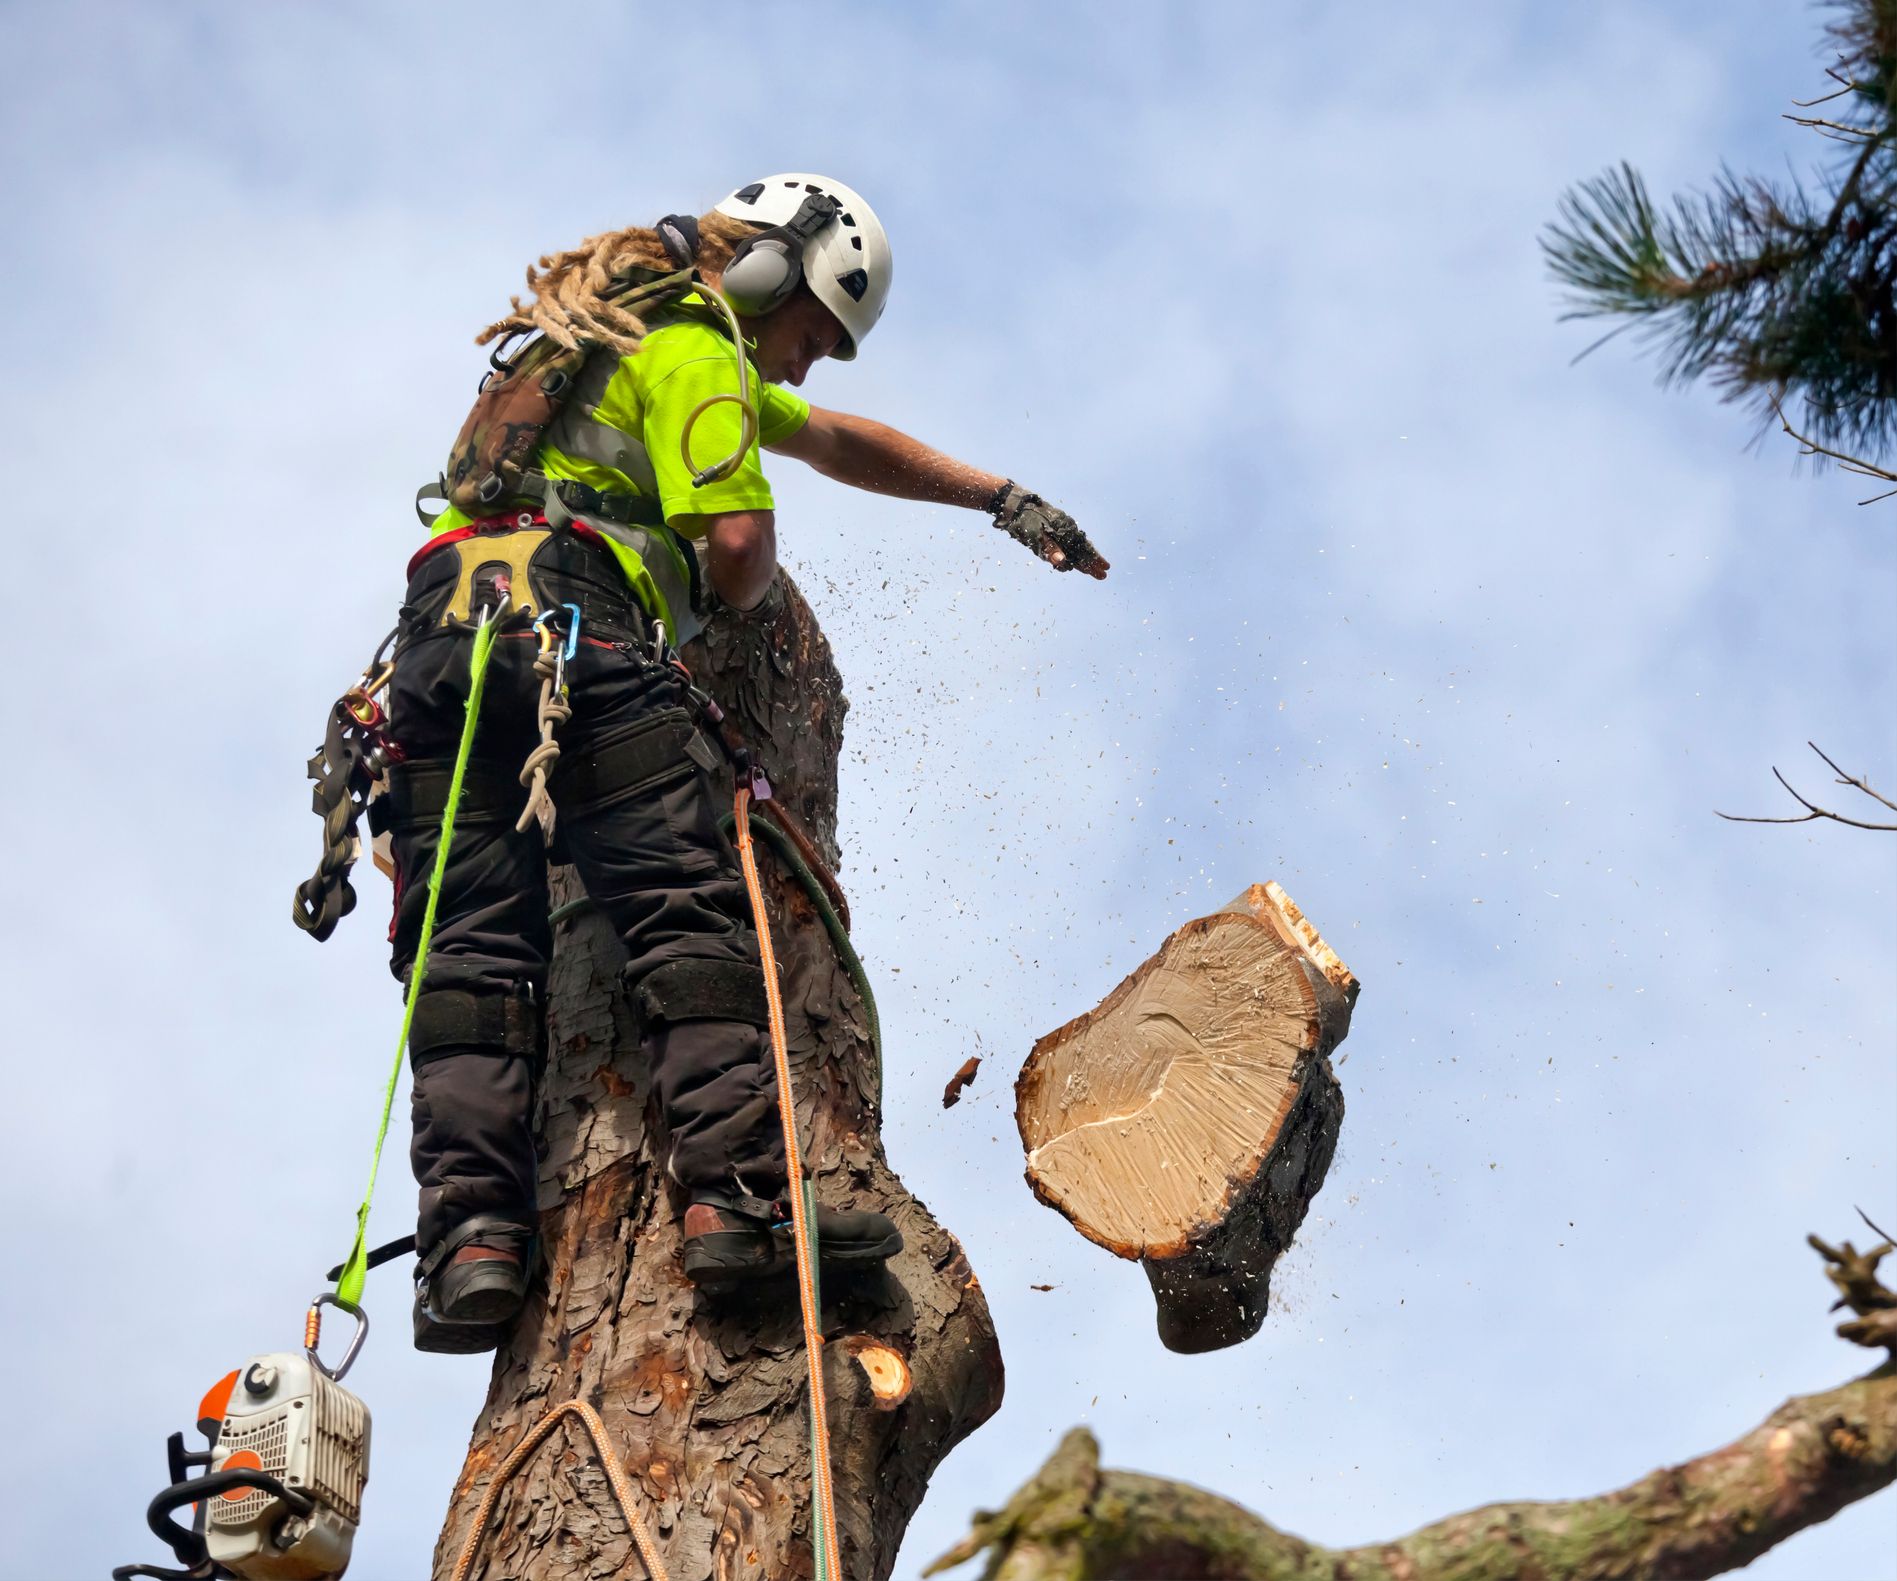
{"type": "Point", "coordinates": [847, 261]}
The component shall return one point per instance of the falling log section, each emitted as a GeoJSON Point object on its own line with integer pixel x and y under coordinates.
{"type": "Point", "coordinates": [1188, 1121]}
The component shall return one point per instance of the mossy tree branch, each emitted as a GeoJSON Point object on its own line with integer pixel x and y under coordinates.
{"type": "Point", "coordinates": [1805, 1462]}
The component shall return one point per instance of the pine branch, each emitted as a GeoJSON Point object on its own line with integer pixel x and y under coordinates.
{"type": "Point", "coordinates": [1769, 291]}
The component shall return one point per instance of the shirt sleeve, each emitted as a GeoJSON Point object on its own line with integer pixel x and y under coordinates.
{"type": "Point", "coordinates": [669, 406]}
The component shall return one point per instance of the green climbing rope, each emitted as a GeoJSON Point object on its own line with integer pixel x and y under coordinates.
{"type": "Point", "coordinates": [356, 1266]}
{"type": "Point", "coordinates": [787, 853]}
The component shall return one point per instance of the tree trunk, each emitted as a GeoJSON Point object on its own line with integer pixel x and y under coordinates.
{"type": "Point", "coordinates": [705, 1401]}
{"type": "Point", "coordinates": [1188, 1120]}
{"type": "Point", "coordinates": [1804, 1463]}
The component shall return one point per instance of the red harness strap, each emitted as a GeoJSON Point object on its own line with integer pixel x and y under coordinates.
{"type": "Point", "coordinates": [493, 525]}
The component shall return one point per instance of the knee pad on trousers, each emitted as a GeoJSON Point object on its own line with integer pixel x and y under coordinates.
{"type": "Point", "coordinates": [702, 991]}
{"type": "Point", "coordinates": [459, 1021]}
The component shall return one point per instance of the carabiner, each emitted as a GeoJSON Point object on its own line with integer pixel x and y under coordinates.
{"type": "Point", "coordinates": [313, 1334]}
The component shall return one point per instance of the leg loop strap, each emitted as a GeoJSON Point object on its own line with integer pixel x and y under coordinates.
{"type": "Point", "coordinates": [625, 760]}
{"type": "Point", "coordinates": [418, 795]}
{"type": "Point", "coordinates": [702, 991]}
{"type": "Point", "coordinates": [455, 1021]}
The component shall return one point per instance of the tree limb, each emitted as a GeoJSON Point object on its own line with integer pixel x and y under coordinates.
{"type": "Point", "coordinates": [1813, 810]}
{"type": "Point", "coordinates": [1805, 1462]}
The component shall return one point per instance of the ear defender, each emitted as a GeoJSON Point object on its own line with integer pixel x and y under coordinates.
{"type": "Point", "coordinates": [678, 234]}
{"type": "Point", "coordinates": [768, 267]}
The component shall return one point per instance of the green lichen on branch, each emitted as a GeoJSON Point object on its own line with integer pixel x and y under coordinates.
{"type": "Point", "coordinates": [1074, 1521]}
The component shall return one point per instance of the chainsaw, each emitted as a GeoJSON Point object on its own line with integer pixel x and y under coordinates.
{"type": "Point", "coordinates": [285, 1459]}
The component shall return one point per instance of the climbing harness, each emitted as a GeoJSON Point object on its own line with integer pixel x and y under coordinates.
{"type": "Point", "coordinates": [555, 710]}
{"type": "Point", "coordinates": [285, 1460]}
{"type": "Point", "coordinates": [751, 782]}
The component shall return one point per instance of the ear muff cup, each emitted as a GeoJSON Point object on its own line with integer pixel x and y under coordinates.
{"type": "Point", "coordinates": [761, 276]}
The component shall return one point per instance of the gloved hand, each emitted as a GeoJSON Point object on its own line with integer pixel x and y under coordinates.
{"type": "Point", "coordinates": [1046, 529]}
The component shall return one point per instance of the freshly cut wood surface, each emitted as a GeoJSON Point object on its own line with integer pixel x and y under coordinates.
{"type": "Point", "coordinates": [1187, 1121]}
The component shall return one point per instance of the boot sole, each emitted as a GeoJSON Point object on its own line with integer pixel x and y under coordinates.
{"type": "Point", "coordinates": [456, 1339]}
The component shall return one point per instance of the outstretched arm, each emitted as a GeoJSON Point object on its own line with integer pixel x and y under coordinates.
{"type": "Point", "coordinates": [870, 455]}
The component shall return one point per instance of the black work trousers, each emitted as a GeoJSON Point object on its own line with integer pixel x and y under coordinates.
{"type": "Point", "coordinates": [650, 853]}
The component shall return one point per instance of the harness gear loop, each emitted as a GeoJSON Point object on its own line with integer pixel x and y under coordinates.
{"type": "Point", "coordinates": [555, 710]}
{"type": "Point", "coordinates": [355, 753]}
{"type": "Point", "coordinates": [802, 1202]}
{"type": "Point", "coordinates": [615, 1474]}
{"type": "Point", "coordinates": [355, 1266]}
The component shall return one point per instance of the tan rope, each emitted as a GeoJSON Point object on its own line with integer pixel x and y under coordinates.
{"type": "Point", "coordinates": [829, 1565]}
{"type": "Point", "coordinates": [555, 711]}
{"type": "Point", "coordinates": [615, 1474]}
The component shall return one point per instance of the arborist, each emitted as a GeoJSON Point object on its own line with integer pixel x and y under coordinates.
{"type": "Point", "coordinates": [610, 468]}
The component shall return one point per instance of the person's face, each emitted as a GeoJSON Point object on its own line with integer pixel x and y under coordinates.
{"type": "Point", "coordinates": [790, 341]}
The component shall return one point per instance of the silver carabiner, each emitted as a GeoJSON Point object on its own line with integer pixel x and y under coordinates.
{"type": "Point", "coordinates": [313, 1334]}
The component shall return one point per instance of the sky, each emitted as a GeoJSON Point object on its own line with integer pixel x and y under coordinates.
{"type": "Point", "coordinates": [1460, 640]}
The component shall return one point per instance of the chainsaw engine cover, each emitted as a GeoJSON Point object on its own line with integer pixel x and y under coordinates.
{"type": "Point", "coordinates": [287, 1419]}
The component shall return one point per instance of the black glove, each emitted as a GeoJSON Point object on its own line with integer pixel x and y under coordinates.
{"type": "Point", "coordinates": [1046, 529]}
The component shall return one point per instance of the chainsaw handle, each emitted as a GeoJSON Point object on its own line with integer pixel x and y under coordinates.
{"type": "Point", "coordinates": [189, 1545]}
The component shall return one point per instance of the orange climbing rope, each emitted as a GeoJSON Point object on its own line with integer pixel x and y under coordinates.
{"type": "Point", "coordinates": [829, 1568]}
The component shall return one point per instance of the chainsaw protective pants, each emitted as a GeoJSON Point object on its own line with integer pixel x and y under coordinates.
{"type": "Point", "coordinates": [638, 819]}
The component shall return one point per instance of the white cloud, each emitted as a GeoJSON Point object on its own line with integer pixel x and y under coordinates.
{"type": "Point", "coordinates": [1254, 292]}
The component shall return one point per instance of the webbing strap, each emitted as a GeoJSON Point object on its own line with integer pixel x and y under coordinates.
{"type": "Point", "coordinates": [356, 1265]}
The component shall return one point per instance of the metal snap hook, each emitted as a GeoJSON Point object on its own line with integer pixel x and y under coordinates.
{"type": "Point", "coordinates": [313, 1334]}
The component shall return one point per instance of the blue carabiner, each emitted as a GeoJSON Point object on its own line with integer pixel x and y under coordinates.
{"type": "Point", "coordinates": [573, 629]}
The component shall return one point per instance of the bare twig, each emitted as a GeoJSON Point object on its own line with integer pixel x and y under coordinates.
{"type": "Point", "coordinates": [1836, 129]}
{"type": "Point", "coordinates": [1813, 810]}
{"type": "Point", "coordinates": [1846, 462]}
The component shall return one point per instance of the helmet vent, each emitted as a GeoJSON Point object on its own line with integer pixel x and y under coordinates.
{"type": "Point", "coordinates": [857, 243]}
{"type": "Point", "coordinates": [856, 282]}
{"type": "Point", "coordinates": [751, 193]}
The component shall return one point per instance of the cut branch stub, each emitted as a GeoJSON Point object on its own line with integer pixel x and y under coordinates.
{"type": "Point", "coordinates": [1189, 1120]}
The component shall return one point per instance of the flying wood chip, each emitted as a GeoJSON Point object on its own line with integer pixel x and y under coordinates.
{"type": "Point", "coordinates": [958, 1083]}
{"type": "Point", "coordinates": [1188, 1121]}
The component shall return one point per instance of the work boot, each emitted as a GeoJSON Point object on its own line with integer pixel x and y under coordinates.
{"type": "Point", "coordinates": [471, 1287]}
{"type": "Point", "coordinates": [733, 1239]}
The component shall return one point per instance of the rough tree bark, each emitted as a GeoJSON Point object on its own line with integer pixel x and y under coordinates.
{"type": "Point", "coordinates": [1188, 1121]}
{"type": "Point", "coordinates": [1804, 1463]}
{"type": "Point", "coordinates": [705, 1400]}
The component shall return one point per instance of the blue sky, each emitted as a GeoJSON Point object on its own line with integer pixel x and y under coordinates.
{"type": "Point", "coordinates": [1460, 642]}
